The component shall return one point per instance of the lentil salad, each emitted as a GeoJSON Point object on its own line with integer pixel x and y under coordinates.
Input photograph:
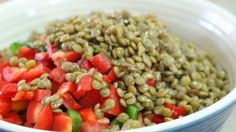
{"type": "Point", "coordinates": [106, 72]}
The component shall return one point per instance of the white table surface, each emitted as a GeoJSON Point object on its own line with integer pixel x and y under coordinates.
{"type": "Point", "coordinates": [230, 5]}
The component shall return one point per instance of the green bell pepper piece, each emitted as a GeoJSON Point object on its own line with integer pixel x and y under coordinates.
{"type": "Point", "coordinates": [76, 119]}
{"type": "Point", "coordinates": [132, 111]}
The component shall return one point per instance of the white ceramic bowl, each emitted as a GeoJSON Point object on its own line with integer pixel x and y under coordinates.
{"type": "Point", "coordinates": [210, 27]}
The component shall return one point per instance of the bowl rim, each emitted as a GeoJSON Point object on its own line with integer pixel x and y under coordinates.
{"type": "Point", "coordinates": [224, 103]}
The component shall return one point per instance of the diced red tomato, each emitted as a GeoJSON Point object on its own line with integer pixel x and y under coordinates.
{"type": "Point", "coordinates": [2, 83]}
{"type": "Point", "coordinates": [88, 115]}
{"type": "Point", "coordinates": [70, 102]}
{"type": "Point", "coordinates": [91, 98]}
{"type": "Point", "coordinates": [155, 118]}
{"type": "Point", "coordinates": [12, 74]}
{"type": "Point", "coordinates": [19, 105]}
{"type": "Point", "coordinates": [33, 111]}
{"type": "Point", "coordinates": [73, 56]}
{"type": "Point", "coordinates": [27, 52]}
{"type": "Point", "coordinates": [51, 48]}
{"type": "Point", "coordinates": [101, 62]}
{"type": "Point", "coordinates": [35, 72]}
{"type": "Point", "coordinates": [13, 117]}
{"type": "Point", "coordinates": [86, 64]}
{"type": "Point", "coordinates": [158, 119]}
{"type": "Point", "coordinates": [106, 79]}
{"type": "Point", "coordinates": [45, 120]}
{"type": "Point", "coordinates": [66, 87]}
{"type": "Point", "coordinates": [8, 90]}
{"type": "Point", "coordinates": [118, 108]}
{"type": "Point", "coordinates": [57, 57]}
{"type": "Point", "coordinates": [39, 94]}
{"type": "Point", "coordinates": [151, 82]}
{"type": "Point", "coordinates": [2, 65]}
{"type": "Point", "coordinates": [55, 86]}
{"type": "Point", "coordinates": [23, 95]}
{"type": "Point", "coordinates": [57, 74]}
{"type": "Point", "coordinates": [5, 105]}
{"type": "Point", "coordinates": [84, 85]}
{"type": "Point", "coordinates": [112, 75]}
{"type": "Point", "coordinates": [177, 111]}
{"type": "Point", "coordinates": [62, 123]}
{"type": "Point", "coordinates": [97, 127]}
{"type": "Point", "coordinates": [42, 56]}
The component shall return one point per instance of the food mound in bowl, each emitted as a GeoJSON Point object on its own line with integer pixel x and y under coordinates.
{"type": "Point", "coordinates": [105, 72]}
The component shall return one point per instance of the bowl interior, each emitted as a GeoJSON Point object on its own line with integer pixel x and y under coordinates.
{"type": "Point", "coordinates": [209, 27]}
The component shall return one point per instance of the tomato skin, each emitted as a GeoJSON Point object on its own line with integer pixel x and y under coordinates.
{"type": "Point", "coordinates": [86, 64]}
{"type": "Point", "coordinates": [33, 111]}
{"type": "Point", "coordinates": [97, 127]}
{"type": "Point", "coordinates": [177, 111]}
{"type": "Point", "coordinates": [112, 75]}
{"type": "Point", "coordinates": [91, 98]}
{"type": "Point", "coordinates": [5, 105]}
{"type": "Point", "coordinates": [3, 65]}
{"type": "Point", "coordinates": [58, 57]}
{"type": "Point", "coordinates": [101, 62]}
{"type": "Point", "coordinates": [73, 56]}
{"type": "Point", "coordinates": [155, 118]}
{"type": "Point", "coordinates": [55, 87]}
{"type": "Point", "coordinates": [19, 105]}
{"type": "Point", "coordinates": [70, 102]}
{"type": "Point", "coordinates": [39, 94]}
{"type": "Point", "coordinates": [62, 123]}
{"type": "Point", "coordinates": [8, 90]}
{"type": "Point", "coordinates": [88, 115]}
{"type": "Point", "coordinates": [118, 108]}
{"type": "Point", "coordinates": [66, 87]}
{"type": "Point", "coordinates": [151, 82]}
{"type": "Point", "coordinates": [27, 52]}
{"type": "Point", "coordinates": [84, 85]}
{"type": "Point", "coordinates": [106, 79]}
{"type": "Point", "coordinates": [51, 48]}
{"type": "Point", "coordinates": [42, 56]}
{"type": "Point", "coordinates": [57, 75]}
{"type": "Point", "coordinates": [23, 95]}
{"type": "Point", "coordinates": [35, 72]}
{"type": "Point", "coordinates": [12, 74]}
{"type": "Point", "coordinates": [13, 117]}
{"type": "Point", "coordinates": [45, 120]}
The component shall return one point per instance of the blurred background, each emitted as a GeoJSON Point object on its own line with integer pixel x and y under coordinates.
{"type": "Point", "coordinates": [229, 5]}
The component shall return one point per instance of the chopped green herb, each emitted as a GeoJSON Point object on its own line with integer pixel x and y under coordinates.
{"type": "Point", "coordinates": [14, 48]}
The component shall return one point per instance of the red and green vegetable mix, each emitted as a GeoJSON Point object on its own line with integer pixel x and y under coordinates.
{"type": "Point", "coordinates": [105, 72]}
